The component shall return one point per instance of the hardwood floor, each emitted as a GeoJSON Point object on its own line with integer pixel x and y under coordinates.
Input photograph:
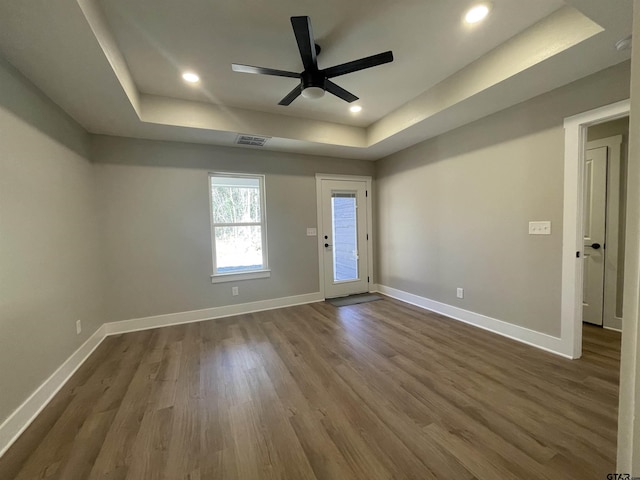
{"type": "Point", "coordinates": [372, 391]}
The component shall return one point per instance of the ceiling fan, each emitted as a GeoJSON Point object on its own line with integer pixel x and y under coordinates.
{"type": "Point", "coordinates": [314, 81]}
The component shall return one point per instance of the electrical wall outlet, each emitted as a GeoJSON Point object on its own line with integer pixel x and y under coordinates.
{"type": "Point", "coordinates": [234, 291]}
{"type": "Point", "coordinates": [78, 326]}
{"type": "Point", "coordinates": [460, 292]}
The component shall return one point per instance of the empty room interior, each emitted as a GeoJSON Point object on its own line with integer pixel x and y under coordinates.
{"type": "Point", "coordinates": [319, 240]}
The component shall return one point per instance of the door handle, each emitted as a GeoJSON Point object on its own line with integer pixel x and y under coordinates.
{"type": "Point", "coordinates": [327, 245]}
{"type": "Point", "coordinates": [595, 246]}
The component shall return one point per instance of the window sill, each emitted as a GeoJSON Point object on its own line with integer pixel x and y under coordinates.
{"type": "Point", "coordinates": [234, 277]}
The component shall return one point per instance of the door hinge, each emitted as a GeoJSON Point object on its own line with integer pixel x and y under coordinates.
{"type": "Point", "coordinates": [366, 193]}
{"type": "Point", "coordinates": [367, 236]}
{"type": "Point", "coordinates": [577, 254]}
{"type": "Point", "coordinates": [367, 279]}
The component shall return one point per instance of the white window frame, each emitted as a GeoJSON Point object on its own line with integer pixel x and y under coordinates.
{"type": "Point", "coordinates": [264, 272]}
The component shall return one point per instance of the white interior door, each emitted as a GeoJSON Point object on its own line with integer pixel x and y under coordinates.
{"type": "Point", "coordinates": [343, 234]}
{"type": "Point", "coordinates": [595, 194]}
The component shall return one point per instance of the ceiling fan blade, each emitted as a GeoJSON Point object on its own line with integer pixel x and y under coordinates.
{"type": "Point", "coordinates": [354, 66]}
{"type": "Point", "coordinates": [306, 43]}
{"type": "Point", "coordinates": [291, 96]}
{"type": "Point", "coordinates": [339, 92]}
{"type": "Point", "coordinates": [263, 71]}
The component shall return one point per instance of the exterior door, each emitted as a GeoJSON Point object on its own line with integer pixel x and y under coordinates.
{"type": "Point", "coordinates": [343, 236]}
{"type": "Point", "coordinates": [595, 194]}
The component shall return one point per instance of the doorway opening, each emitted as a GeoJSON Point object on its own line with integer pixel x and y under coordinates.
{"type": "Point", "coordinates": [573, 249]}
{"type": "Point", "coordinates": [604, 223]}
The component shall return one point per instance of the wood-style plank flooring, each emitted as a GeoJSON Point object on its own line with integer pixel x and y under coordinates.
{"type": "Point", "coordinates": [374, 391]}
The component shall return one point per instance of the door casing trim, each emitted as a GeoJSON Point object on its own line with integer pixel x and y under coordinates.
{"type": "Point", "coordinates": [356, 178]}
{"type": "Point", "coordinates": [575, 129]}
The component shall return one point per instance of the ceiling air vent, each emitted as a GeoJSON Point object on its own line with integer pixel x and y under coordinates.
{"type": "Point", "coordinates": [252, 140]}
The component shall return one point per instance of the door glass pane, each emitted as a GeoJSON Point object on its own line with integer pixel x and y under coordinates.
{"type": "Point", "coordinates": [345, 239]}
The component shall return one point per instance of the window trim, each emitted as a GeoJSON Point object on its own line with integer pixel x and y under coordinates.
{"type": "Point", "coordinates": [263, 272]}
{"type": "Point", "coordinates": [237, 276]}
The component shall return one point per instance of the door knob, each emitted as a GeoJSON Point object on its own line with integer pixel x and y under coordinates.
{"type": "Point", "coordinates": [595, 246]}
{"type": "Point", "coordinates": [327, 245]}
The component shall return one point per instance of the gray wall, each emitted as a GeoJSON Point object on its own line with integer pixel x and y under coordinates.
{"type": "Point", "coordinates": [154, 208]}
{"type": "Point", "coordinates": [50, 274]}
{"type": "Point", "coordinates": [453, 211]}
{"type": "Point", "coordinates": [605, 130]}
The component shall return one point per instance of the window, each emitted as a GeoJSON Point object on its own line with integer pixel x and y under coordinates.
{"type": "Point", "coordinates": [238, 227]}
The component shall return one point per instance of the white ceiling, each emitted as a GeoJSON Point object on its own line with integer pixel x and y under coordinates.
{"type": "Point", "coordinates": [161, 38]}
{"type": "Point", "coordinates": [114, 65]}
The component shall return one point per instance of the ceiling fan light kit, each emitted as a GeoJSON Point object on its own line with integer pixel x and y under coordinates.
{"type": "Point", "coordinates": [314, 82]}
{"type": "Point", "coordinates": [313, 92]}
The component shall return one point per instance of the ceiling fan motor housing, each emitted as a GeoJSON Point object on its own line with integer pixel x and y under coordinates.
{"type": "Point", "coordinates": [313, 79]}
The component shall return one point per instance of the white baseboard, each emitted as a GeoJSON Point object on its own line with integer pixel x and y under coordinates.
{"type": "Point", "coordinates": [614, 324]}
{"type": "Point", "coordinates": [146, 323]}
{"type": "Point", "coordinates": [26, 413]}
{"type": "Point", "coordinates": [524, 335]}
{"type": "Point", "coordinates": [619, 330]}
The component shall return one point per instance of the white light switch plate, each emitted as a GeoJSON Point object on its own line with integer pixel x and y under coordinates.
{"type": "Point", "coordinates": [312, 232]}
{"type": "Point", "coordinates": [539, 228]}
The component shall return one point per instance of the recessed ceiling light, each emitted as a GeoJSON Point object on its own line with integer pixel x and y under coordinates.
{"type": "Point", "coordinates": [477, 13]}
{"type": "Point", "coordinates": [355, 108]}
{"type": "Point", "coordinates": [190, 77]}
{"type": "Point", "coordinates": [624, 44]}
